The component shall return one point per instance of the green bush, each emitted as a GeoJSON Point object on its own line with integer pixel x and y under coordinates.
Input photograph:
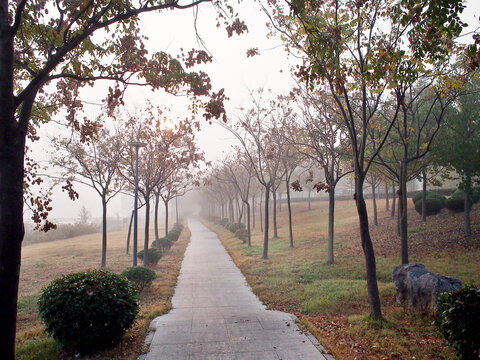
{"type": "Point", "coordinates": [178, 226]}
{"type": "Point", "coordinates": [474, 196]}
{"type": "Point", "coordinates": [458, 314]}
{"type": "Point", "coordinates": [154, 255]}
{"type": "Point", "coordinates": [88, 311]}
{"type": "Point", "coordinates": [456, 204]}
{"type": "Point", "coordinates": [417, 196]}
{"type": "Point", "coordinates": [224, 222]}
{"type": "Point", "coordinates": [242, 234]}
{"type": "Point", "coordinates": [233, 227]}
{"type": "Point", "coordinates": [433, 205]}
{"type": "Point", "coordinates": [174, 234]}
{"type": "Point", "coordinates": [140, 276]}
{"type": "Point", "coordinates": [163, 243]}
{"type": "Point", "coordinates": [430, 195]}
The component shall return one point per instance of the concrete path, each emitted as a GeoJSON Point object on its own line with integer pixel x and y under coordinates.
{"type": "Point", "coordinates": [215, 315]}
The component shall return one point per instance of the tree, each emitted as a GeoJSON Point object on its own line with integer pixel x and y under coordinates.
{"type": "Point", "coordinates": [422, 106]}
{"type": "Point", "coordinates": [457, 146]}
{"type": "Point", "coordinates": [83, 216]}
{"type": "Point", "coordinates": [46, 42]}
{"type": "Point", "coordinates": [253, 133]}
{"type": "Point", "coordinates": [166, 150]}
{"type": "Point", "coordinates": [94, 164]}
{"type": "Point", "coordinates": [321, 137]}
{"type": "Point", "coordinates": [356, 48]}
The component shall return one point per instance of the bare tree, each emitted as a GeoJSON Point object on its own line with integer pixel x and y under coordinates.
{"type": "Point", "coordinates": [95, 164]}
{"type": "Point", "coordinates": [321, 137]}
{"type": "Point", "coordinates": [253, 131]}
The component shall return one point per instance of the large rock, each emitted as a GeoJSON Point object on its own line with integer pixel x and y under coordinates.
{"type": "Point", "coordinates": [418, 289]}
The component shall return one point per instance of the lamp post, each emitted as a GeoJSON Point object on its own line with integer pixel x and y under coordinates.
{"type": "Point", "coordinates": [137, 145]}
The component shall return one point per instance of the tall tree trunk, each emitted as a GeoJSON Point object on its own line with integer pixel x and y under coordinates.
{"type": "Point", "coordinates": [275, 229]}
{"type": "Point", "coordinates": [403, 212]}
{"type": "Point", "coordinates": [11, 220]}
{"type": "Point", "coordinates": [309, 199]}
{"type": "Point", "coordinates": [387, 199]}
{"type": "Point", "coordinates": [394, 199]}
{"type": "Point", "coordinates": [230, 205]}
{"type": "Point", "coordinates": [253, 212]}
{"type": "Point", "coordinates": [249, 239]}
{"type": "Point", "coordinates": [265, 234]}
{"type": "Point", "coordinates": [367, 246]}
{"type": "Point", "coordinates": [289, 206]}
{"type": "Point", "coordinates": [466, 207]}
{"type": "Point", "coordinates": [176, 210]}
{"type": "Point", "coordinates": [399, 215]}
{"type": "Point", "coordinates": [155, 217]}
{"type": "Point", "coordinates": [261, 211]}
{"type": "Point", "coordinates": [331, 224]}
{"type": "Point", "coordinates": [374, 199]}
{"type": "Point", "coordinates": [223, 210]}
{"type": "Point", "coordinates": [147, 229]}
{"type": "Point", "coordinates": [424, 196]}
{"type": "Point", "coordinates": [129, 232]}
{"type": "Point", "coordinates": [104, 232]}
{"type": "Point", "coordinates": [166, 218]}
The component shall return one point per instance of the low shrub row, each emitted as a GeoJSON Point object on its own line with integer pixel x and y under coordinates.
{"type": "Point", "coordinates": [161, 245]}
{"type": "Point", "coordinates": [238, 229]}
{"type": "Point", "coordinates": [90, 311]}
{"type": "Point", "coordinates": [435, 201]}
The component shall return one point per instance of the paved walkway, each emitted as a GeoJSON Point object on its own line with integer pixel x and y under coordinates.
{"type": "Point", "coordinates": [215, 315]}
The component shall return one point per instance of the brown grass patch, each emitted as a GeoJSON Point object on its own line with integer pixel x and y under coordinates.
{"type": "Point", "coordinates": [44, 262]}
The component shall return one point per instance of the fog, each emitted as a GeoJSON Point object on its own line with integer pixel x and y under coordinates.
{"type": "Point", "coordinates": [172, 31]}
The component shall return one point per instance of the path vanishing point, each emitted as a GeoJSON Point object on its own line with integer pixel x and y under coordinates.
{"type": "Point", "coordinates": [216, 316]}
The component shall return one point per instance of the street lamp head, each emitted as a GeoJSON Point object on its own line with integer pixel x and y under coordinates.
{"type": "Point", "coordinates": [137, 144]}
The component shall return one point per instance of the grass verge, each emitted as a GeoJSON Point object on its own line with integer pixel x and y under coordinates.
{"type": "Point", "coordinates": [331, 300]}
{"type": "Point", "coordinates": [34, 344]}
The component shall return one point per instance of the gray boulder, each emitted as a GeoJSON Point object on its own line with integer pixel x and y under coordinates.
{"type": "Point", "coordinates": [418, 289]}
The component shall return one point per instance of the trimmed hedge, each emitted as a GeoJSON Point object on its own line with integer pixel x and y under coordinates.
{"type": "Point", "coordinates": [458, 314]}
{"type": "Point", "coordinates": [456, 204]}
{"type": "Point", "coordinates": [474, 196]}
{"type": "Point", "coordinates": [433, 205]}
{"type": "Point", "coordinates": [430, 195]}
{"type": "Point", "coordinates": [163, 243]}
{"type": "Point", "coordinates": [88, 311]}
{"type": "Point", "coordinates": [242, 234]}
{"type": "Point", "coordinates": [140, 276]}
{"type": "Point", "coordinates": [174, 234]}
{"type": "Point", "coordinates": [154, 255]}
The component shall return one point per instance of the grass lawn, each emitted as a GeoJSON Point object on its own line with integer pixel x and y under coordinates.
{"type": "Point", "coordinates": [331, 300]}
{"type": "Point", "coordinates": [44, 262]}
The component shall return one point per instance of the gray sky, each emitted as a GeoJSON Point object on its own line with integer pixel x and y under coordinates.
{"type": "Point", "coordinates": [230, 69]}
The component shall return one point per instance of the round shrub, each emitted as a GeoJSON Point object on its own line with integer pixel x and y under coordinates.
{"type": "Point", "coordinates": [242, 234]}
{"type": "Point", "coordinates": [178, 226]}
{"type": "Point", "coordinates": [153, 254]}
{"type": "Point", "coordinates": [173, 234]}
{"type": "Point", "coordinates": [224, 222]}
{"type": "Point", "coordinates": [433, 205]}
{"type": "Point", "coordinates": [233, 227]}
{"type": "Point", "coordinates": [163, 243]}
{"type": "Point", "coordinates": [88, 311]}
{"type": "Point", "coordinates": [417, 196]}
{"type": "Point", "coordinates": [456, 204]}
{"type": "Point", "coordinates": [430, 195]}
{"type": "Point", "coordinates": [458, 314]}
{"type": "Point", "coordinates": [474, 196]}
{"type": "Point", "coordinates": [140, 276]}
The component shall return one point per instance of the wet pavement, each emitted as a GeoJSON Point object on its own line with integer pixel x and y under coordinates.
{"type": "Point", "coordinates": [215, 314]}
